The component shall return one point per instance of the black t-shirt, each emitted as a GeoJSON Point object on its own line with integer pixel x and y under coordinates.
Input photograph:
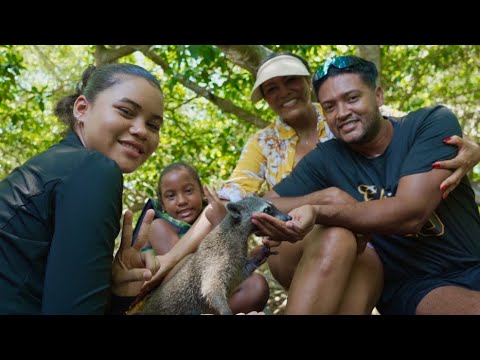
{"type": "Point", "coordinates": [449, 241]}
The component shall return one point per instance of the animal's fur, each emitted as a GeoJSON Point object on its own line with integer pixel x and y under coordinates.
{"type": "Point", "coordinates": [207, 278]}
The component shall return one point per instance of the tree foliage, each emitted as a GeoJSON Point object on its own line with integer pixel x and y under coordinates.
{"type": "Point", "coordinates": [208, 115]}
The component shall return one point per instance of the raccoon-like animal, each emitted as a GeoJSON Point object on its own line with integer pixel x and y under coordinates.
{"type": "Point", "coordinates": [204, 282]}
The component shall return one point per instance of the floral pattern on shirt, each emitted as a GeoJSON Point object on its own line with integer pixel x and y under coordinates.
{"type": "Point", "coordinates": [268, 156]}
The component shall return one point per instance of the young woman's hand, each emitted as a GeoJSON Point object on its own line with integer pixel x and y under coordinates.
{"type": "Point", "coordinates": [132, 267]}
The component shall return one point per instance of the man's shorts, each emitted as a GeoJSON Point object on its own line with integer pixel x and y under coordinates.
{"type": "Point", "coordinates": [408, 296]}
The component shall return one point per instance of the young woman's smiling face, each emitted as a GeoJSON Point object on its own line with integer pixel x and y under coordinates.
{"type": "Point", "coordinates": [123, 122]}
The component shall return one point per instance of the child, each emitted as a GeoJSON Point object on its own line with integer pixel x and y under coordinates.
{"type": "Point", "coordinates": [182, 199]}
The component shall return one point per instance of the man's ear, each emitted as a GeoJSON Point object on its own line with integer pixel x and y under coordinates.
{"type": "Point", "coordinates": [379, 95]}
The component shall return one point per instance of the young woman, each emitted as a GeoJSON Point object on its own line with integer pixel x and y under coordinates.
{"type": "Point", "coordinates": [60, 211]}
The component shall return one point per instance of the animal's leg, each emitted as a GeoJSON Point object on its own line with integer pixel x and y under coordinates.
{"type": "Point", "coordinates": [218, 302]}
{"type": "Point", "coordinates": [214, 291]}
{"type": "Point", "coordinates": [258, 259]}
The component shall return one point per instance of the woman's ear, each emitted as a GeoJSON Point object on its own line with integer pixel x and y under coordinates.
{"type": "Point", "coordinates": [80, 106]}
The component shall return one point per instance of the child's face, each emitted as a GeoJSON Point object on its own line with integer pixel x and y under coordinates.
{"type": "Point", "coordinates": [181, 196]}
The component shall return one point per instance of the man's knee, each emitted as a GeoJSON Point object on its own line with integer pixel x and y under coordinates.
{"type": "Point", "coordinates": [328, 248]}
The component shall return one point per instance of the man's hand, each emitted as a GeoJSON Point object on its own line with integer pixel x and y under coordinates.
{"type": "Point", "coordinates": [132, 267]}
{"type": "Point", "coordinates": [303, 220]}
{"type": "Point", "coordinates": [468, 156]}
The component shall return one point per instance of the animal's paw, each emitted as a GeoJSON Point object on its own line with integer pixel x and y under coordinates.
{"type": "Point", "coordinates": [258, 256]}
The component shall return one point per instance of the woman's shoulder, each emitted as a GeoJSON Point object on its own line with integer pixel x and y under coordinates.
{"type": "Point", "coordinates": [61, 160]}
{"type": "Point", "coordinates": [270, 129]}
{"type": "Point", "coordinates": [66, 163]}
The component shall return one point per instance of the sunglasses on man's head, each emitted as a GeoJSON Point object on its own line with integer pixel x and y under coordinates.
{"type": "Point", "coordinates": [340, 62]}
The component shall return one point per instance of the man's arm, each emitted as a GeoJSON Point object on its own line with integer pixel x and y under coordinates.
{"type": "Point", "coordinates": [417, 197]}
{"type": "Point", "coordinates": [329, 196]}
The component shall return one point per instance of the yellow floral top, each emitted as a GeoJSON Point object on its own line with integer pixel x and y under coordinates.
{"type": "Point", "coordinates": [268, 157]}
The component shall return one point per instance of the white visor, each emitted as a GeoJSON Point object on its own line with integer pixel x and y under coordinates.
{"type": "Point", "coordinates": [282, 65]}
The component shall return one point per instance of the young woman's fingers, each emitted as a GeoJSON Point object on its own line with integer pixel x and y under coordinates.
{"type": "Point", "coordinates": [144, 232]}
{"type": "Point", "coordinates": [127, 231]}
{"type": "Point", "coordinates": [133, 275]}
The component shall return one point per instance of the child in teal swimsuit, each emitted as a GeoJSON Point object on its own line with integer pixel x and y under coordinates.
{"type": "Point", "coordinates": [181, 200]}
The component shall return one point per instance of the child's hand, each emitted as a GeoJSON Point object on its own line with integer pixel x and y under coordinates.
{"type": "Point", "coordinates": [216, 210]}
{"type": "Point", "coordinates": [166, 263]}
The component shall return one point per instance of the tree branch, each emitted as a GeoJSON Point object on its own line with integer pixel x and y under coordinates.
{"type": "Point", "coordinates": [223, 104]}
{"type": "Point", "coordinates": [104, 55]}
{"type": "Point", "coordinates": [48, 63]}
{"type": "Point", "coordinates": [247, 57]}
{"type": "Point", "coordinates": [372, 53]}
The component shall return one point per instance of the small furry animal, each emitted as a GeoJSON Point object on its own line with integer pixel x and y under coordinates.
{"type": "Point", "coordinates": [205, 280]}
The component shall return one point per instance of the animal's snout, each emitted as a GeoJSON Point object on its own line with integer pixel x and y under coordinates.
{"type": "Point", "coordinates": [286, 217]}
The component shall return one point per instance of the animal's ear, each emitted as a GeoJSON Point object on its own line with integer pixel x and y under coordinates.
{"type": "Point", "coordinates": [235, 211]}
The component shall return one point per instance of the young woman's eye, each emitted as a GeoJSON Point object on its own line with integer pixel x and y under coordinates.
{"type": "Point", "coordinates": [126, 112]}
{"type": "Point", "coordinates": [153, 125]}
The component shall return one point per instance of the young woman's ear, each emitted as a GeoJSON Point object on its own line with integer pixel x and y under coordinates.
{"type": "Point", "coordinates": [80, 107]}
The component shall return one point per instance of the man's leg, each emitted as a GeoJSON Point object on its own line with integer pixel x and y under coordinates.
{"type": "Point", "coordinates": [364, 286]}
{"type": "Point", "coordinates": [283, 265]}
{"type": "Point", "coordinates": [450, 300]}
{"type": "Point", "coordinates": [322, 275]}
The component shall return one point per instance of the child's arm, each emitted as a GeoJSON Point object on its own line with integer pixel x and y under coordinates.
{"type": "Point", "coordinates": [190, 241]}
{"type": "Point", "coordinates": [163, 236]}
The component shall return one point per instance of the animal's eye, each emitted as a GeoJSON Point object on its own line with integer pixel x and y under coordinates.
{"type": "Point", "coordinates": [267, 210]}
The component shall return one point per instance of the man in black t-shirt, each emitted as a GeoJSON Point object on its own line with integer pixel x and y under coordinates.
{"type": "Point", "coordinates": [429, 246]}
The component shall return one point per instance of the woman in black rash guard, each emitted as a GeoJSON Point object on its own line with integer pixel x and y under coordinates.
{"type": "Point", "coordinates": [60, 211]}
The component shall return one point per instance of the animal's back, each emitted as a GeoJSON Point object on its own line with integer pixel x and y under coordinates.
{"type": "Point", "coordinates": [208, 277]}
{"type": "Point", "coordinates": [180, 295]}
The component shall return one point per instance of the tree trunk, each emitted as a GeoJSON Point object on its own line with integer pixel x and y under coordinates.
{"type": "Point", "coordinates": [374, 54]}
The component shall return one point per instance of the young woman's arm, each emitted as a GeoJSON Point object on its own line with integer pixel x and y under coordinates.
{"type": "Point", "coordinates": [88, 207]}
